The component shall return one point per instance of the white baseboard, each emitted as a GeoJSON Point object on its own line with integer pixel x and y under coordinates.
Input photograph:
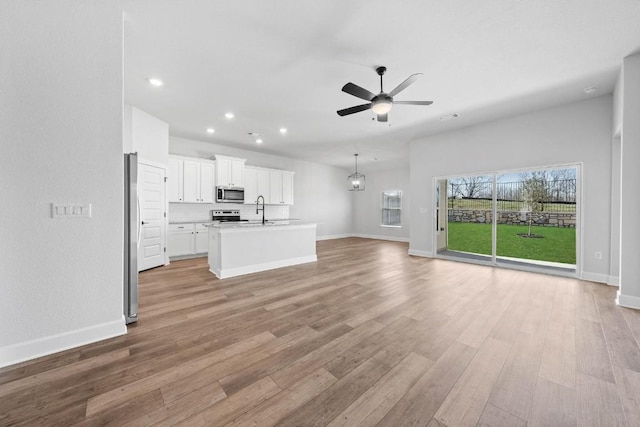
{"type": "Point", "coordinates": [232, 272]}
{"type": "Point", "coordinates": [39, 347]}
{"type": "Point", "coordinates": [613, 281]}
{"type": "Point", "coordinates": [333, 236]}
{"type": "Point", "coordinates": [594, 277]}
{"type": "Point", "coordinates": [416, 252]}
{"type": "Point", "coordinates": [628, 301]}
{"type": "Point", "coordinates": [377, 237]}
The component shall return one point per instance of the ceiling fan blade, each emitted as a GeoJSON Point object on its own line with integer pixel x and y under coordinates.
{"type": "Point", "coordinates": [402, 86]}
{"type": "Point", "coordinates": [355, 90]}
{"type": "Point", "coordinates": [352, 110]}
{"type": "Point", "coordinates": [414, 102]}
{"type": "Point", "coordinates": [382, 117]}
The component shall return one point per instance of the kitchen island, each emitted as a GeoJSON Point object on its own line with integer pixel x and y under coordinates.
{"type": "Point", "coordinates": [236, 249]}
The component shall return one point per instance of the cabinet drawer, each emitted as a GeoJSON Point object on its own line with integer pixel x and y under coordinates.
{"type": "Point", "coordinates": [181, 227]}
{"type": "Point", "coordinates": [202, 227]}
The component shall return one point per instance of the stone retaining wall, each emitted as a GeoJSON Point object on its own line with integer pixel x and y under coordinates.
{"type": "Point", "coordinates": [546, 219]}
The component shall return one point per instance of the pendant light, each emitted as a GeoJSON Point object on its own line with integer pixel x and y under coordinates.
{"type": "Point", "coordinates": [355, 181]}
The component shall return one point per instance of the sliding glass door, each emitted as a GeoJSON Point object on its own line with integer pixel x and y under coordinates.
{"type": "Point", "coordinates": [469, 207]}
{"type": "Point", "coordinates": [524, 218]}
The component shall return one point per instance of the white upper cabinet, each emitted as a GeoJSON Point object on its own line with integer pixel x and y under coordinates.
{"type": "Point", "coordinates": [250, 185]}
{"type": "Point", "coordinates": [287, 188]}
{"type": "Point", "coordinates": [280, 187]}
{"type": "Point", "coordinates": [191, 180]}
{"type": "Point", "coordinates": [230, 171]}
{"type": "Point", "coordinates": [191, 171]}
{"type": "Point", "coordinates": [275, 187]}
{"type": "Point", "coordinates": [207, 182]}
{"type": "Point", "coordinates": [263, 184]}
{"type": "Point", "coordinates": [256, 183]}
{"type": "Point", "coordinates": [175, 185]}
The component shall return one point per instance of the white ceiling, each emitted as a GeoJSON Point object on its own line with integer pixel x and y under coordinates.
{"type": "Point", "coordinates": [283, 63]}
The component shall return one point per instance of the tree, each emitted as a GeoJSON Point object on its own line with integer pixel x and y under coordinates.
{"type": "Point", "coordinates": [534, 193]}
{"type": "Point", "coordinates": [472, 186]}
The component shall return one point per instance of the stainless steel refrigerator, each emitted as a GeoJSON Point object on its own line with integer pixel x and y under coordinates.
{"type": "Point", "coordinates": [131, 237]}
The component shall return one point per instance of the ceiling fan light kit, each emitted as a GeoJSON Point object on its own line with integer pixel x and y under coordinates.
{"type": "Point", "coordinates": [381, 103]}
{"type": "Point", "coordinates": [356, 181]}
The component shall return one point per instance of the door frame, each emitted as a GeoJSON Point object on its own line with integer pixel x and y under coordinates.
{"type": "Point", "coordinates": [578, 166]}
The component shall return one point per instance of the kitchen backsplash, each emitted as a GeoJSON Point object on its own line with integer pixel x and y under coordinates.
{"type": "Point", "coordinates": [202, 211]}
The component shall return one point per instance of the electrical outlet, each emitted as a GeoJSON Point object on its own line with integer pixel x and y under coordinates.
{"type": "Point", "coordinates": [598, 255]}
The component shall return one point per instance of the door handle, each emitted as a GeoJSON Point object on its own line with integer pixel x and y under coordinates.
{"type": "Point", "coordinates": [143, 223]}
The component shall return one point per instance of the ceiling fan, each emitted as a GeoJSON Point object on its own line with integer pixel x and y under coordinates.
{"type": "Point", "coordinates": [382, 102]}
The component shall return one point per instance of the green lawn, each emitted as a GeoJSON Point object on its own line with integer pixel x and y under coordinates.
{"type": "Point", "coordinates": [558, 244]}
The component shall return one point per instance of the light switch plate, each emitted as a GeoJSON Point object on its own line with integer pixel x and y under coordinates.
{"type": "Point", "coordinates": [70, 210]}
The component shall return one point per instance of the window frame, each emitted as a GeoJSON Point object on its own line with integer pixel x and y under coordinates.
{"type": "Point", "coordinates": [386, 195]}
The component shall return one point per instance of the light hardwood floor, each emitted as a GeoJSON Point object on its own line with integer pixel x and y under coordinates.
{"type": "Point", "coordinates": [366, 336]}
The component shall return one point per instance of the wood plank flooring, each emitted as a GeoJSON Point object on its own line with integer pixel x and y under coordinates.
{"type": "Point", "coordinates": [366, 336]}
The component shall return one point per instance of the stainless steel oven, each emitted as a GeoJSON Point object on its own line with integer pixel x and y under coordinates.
{"type": "Point", "coordinates": [229, 194]}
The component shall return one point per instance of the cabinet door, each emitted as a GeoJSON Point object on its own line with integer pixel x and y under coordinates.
{"type": "Point", "coordinates": [191, 173]}
{"type": "Point", "coordinates": [237, 173]}
{"type": "Point", "coordinates": [275, 187]}
{"type": "Point", "coordinates": [287, 188]}
{"type": "Point", "coordinates": [207, 182]}
{"type": "Point", "coordinates": [264, 185]}
{"type": "Point", "coordinates": [223, 172]}
{"type": "Point", "coordinates": [180, 243]}
{"type": "Point", "coordinates": [250, 185]}
{"type": "Point", "coordinates": [174, 180]}
{"type": "Point", "coordinates": [201, 241]}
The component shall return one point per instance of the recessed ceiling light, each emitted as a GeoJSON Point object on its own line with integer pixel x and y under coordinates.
{"type": "Point", "coordinates": [591, 89]}
{"type": "Point", "coordinates": [258, 141]}
{"type": "Point", "coordinates": [210, 130]}
{"type": "Point", "coordinates": [283, 130]}
{"type": "Point", "coordinates": [153, 81]}
{"type": "Point", "coordinates": [229, 115]}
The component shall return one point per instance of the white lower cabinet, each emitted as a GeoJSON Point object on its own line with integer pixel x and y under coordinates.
{"type": "Point", "coordinates": [188, 239]}
{"type": "Point", "coordinates": [201, 241]}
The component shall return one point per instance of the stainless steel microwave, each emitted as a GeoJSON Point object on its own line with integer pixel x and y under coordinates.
{"type": "Point", "coordinates": [229, 194]}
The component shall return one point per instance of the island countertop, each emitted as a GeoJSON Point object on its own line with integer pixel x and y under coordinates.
{"type": "Point", "coordinates": [259, 224]}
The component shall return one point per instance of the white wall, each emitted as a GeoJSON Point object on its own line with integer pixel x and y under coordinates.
{"type": "Point", "coordinates": [573, 133]}
{"type": "Point", "coordinates": [146, 135]}
{"type": "Point", "coordinates": [61, 139]}
{"type": "Point", "coordinates": [629, 292]}
{"type": "Point", "coordinates": [320, 193]}
{"type": "Point", "coordinates": [614, 247]}
{"type": "Point", "coordinates": [367, 204]}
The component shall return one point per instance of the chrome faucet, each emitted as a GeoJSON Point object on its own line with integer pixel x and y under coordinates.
{"type": "Point", "coordinates": [257, 206]}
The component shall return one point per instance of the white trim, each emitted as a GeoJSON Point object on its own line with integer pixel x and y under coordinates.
{"type": "Point", "coordinates": [416, 252]}
{"type": "Point", "coordinates": [39, 347]}
{"type": "Point", "coordinates": [333, 236]}
{"type": "Point", "coordinates": [613, 281]}
{"type": "Point", "coordinates": [594, 277]}
{"type": "Point", "coordinates": [188, 256]}
{"type": "Point", "coordinates": [238, 271]}
{"type": "Point", "coordinates": [628, 301]}
{"type": "Point", "coordinates": [377, 237]}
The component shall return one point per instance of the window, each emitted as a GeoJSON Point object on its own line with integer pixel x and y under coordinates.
{"type": "Point", "coordinates": [392, 208]}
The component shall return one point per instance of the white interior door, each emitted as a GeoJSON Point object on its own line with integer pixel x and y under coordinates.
{"type": "Point", "coordinates": [151, 194]}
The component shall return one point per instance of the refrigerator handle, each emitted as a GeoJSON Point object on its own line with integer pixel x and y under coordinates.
{"type": "Point", "coordinates": [138, 222]}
